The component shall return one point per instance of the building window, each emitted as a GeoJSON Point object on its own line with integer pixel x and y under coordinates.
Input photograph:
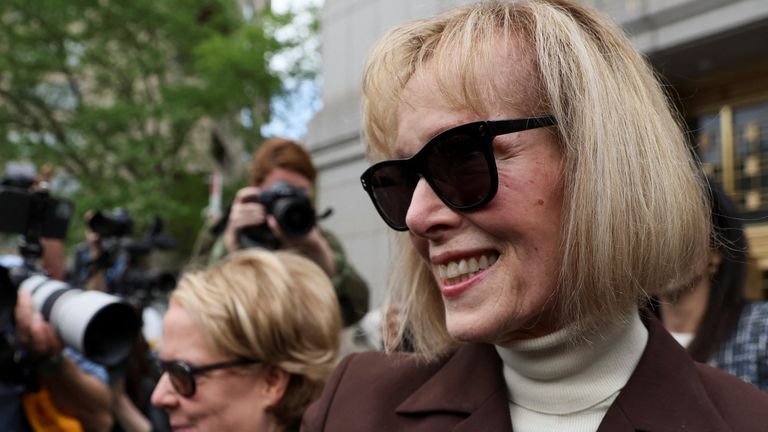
{"type": "Point", "coordinates": [732, 144]}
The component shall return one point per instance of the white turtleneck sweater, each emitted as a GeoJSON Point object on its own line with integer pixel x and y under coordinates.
{"type": "Point", "coordinates": [562, 382]}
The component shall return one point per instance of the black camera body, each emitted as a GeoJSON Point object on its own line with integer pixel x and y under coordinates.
{"type": "Point", "coordinates": [118, 223]}
{"type": "Point", "coordinates": [136, 282]}
{"type": "Point", "coordinates": [37, 213]}
{"type": "Point", "coordinates": [291, 207]}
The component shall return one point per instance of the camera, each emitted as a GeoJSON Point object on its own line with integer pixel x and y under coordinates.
{"type": "Point", "coordinates": [116, 224]}
{"type": "Point", "coordinates": [137, 283]}
{"type": "Point", "coordinates": [291, 207]}
{"type": "Point", "coordinates": [36, 213]}
{"type": "Point", "coordinates": [101, 326]}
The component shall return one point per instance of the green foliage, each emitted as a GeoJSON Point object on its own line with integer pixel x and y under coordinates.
{"type": "Point", "coordinates": [108, 91]}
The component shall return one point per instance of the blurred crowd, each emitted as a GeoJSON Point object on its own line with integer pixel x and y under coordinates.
{"type": "Point", "coordinates": [306, 302]}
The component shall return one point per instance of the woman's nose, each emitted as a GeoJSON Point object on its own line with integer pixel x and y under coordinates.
{"type": "Point", "coordinates": [163, 396]}
{"type": "Point", "coordinates": [427, 214]}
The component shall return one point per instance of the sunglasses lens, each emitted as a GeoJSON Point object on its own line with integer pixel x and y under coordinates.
{"type": "Point", "coordinates": [458, 165]}
{"type": "Point", "coordinates": [460, 170]}
{"type": "Point", "coordinates": [181, 379]}
{"type": "Point", "coordinates": [392, 186]}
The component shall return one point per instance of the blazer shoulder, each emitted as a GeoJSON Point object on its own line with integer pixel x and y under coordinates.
{"type": "Point", "coordinates": [740, 404]}
{"type": "Point", "coordinates": [386, 373]}
{"type": "Point", "coordinates": [370, 382]}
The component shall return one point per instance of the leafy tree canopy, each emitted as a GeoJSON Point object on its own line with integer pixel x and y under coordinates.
{"type": "Point", "coordinates": [111, 91]}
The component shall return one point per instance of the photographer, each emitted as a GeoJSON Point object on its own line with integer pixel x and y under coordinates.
{"type": "Point", "coordinates": [97, 261]}
{"type": "Point", "coordinates": [74, 388]}
{"type": "Point", "coordinates": [43, 385]}
{"type": "Point", "coordinates": [109, 260]}
{"type": "Point", "coordinates": [281, 166]}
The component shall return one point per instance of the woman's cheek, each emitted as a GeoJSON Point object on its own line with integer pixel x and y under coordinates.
{"type": "Point", "coordinates": [420, 244]}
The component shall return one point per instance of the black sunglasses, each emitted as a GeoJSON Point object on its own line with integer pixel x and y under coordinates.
{"type": "Point", "coordinates": [182, 374]}
{"type": "Point", "coordinates": [458, 165]}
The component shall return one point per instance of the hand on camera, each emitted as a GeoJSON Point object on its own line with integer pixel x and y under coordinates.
{"type": "Point", "coordinates": [243, 214]}
{"type": "Point", "coordinates": [248, 213]}
{"type": "Point", "coordinates": [34, 334]}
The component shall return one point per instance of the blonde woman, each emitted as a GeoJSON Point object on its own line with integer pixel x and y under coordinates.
{"type": "Point", "coordinates": [546, 190]}
{"type": "Point", "coordinates": [247, 344]}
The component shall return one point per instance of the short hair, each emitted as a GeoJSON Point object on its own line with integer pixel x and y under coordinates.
{"type": "Point", "coordinates": [635, 212]}
{"type": "Point", "coordinates": [280, 153]}
{"type": "Point", "coordinates": [278, 307]}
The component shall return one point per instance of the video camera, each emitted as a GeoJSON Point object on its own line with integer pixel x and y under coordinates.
{"type": "Point", "coordinates": [101, 326]}
{"type": "Point", "coordinates": [122, 258]}
{"type": "Point", "coordinates": [119, 223]}
{"type": "Point", "coordinates": [111, 228]}
{"type": "Point", "coordinates": [291, 207]}
{"type": "Point", "coordinates": [32, 213]}
{"type": "Point", "coordinates": [137, 283]}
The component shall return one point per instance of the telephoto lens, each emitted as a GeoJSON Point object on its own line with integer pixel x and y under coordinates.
{"type": "Point", "coordinates": [101, 326]}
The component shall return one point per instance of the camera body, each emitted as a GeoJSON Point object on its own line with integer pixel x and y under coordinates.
{"type": "Point", "coordinates": [136, 282]}
{"type": "Point", "coordinates": [36, 213]}
{"type": "Point", "coordinates": [291, 207]}
{"type": "Point", "coordinates": [118, 223]}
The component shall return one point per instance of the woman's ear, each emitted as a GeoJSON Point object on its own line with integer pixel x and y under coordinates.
{"type": "Point", "coordinates": [275, 383]}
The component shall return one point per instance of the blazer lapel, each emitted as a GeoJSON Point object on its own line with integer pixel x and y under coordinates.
{"type": "Point", "coordinates": [470, 384]}
{"type": "Point", "coordinates": [665, 392]}
{"type": "Point", "coordinates": [490, 415]}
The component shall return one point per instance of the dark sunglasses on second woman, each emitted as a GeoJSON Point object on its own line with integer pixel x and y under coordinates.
{"type": "Point", "coordinates": [182, 374]}
{"type": "Point", "coordinates": [458, 165]}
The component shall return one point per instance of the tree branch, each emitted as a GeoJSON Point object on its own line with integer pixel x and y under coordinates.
{"type": "Point", "coordinates": [58, 132]}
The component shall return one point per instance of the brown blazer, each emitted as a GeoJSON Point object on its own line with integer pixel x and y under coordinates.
{"type": "Point", "coordinates": [465, 392]}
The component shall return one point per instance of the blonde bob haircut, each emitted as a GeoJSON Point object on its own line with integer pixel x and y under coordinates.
{"type": "Point", "coordinates": [278, 307]}
{"type": "Point", "coordinates": [635, 212]}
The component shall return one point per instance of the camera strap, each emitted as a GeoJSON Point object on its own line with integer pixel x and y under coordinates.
{"type": "Point", "coordinates": [325, 214]}
{"type": "Point", "coordinates": [43, 415]}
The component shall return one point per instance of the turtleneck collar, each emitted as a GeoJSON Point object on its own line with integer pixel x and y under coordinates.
{"type": "Point", "coordinates": [565, 373]}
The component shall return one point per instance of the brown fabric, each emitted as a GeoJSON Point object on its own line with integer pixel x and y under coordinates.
{"type": "Point", "coordinates": [465, 391]}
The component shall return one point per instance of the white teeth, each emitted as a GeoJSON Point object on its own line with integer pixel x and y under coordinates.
{"type": "Point", "coordinates": [463, 266]}
{"type": "Point", "coordinates": [472, 264]}
{"type": "Point", "coordinates": [459, 271]}
{"type": "Point", "coordinates": [452, 270]}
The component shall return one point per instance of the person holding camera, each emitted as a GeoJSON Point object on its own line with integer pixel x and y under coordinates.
{"type": "Point", "coordinates": [98, 261]}
{"type": "Point", "coordinates": [104, 262]}
{"type": "Point", "coordinates": [44, 385]}
{"type": "Point", "coordinates": [275, 212]}
{"type": "Point", "coordinates": [73, 392]}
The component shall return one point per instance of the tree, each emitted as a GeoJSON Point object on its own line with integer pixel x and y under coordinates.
{"type": "Point", "coordinates": [113, 92]}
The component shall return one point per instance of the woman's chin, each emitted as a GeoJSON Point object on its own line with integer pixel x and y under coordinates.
{"type": "Point", "coordinates": [479, 329]}
{"type": "Point", "coordinates": [471, 329]}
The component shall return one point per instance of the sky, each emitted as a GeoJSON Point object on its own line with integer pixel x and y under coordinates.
{"type": "Point", "coordinates": [292, 114]}
{"type": "Point", "coordinates": [283, 5]}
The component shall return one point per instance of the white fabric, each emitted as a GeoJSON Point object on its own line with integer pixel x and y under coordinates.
{"type": "Point", "coordinates": [683, 339]}
{"type": "Point", "coordinates": [562, 382]}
